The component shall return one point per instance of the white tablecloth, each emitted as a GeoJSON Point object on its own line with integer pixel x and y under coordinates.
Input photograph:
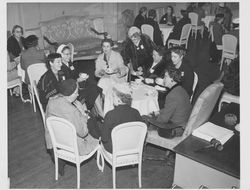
{"type": "Point", "coordinates": [207, 20]}
{"type": "Point", "coordinates": [145, 99]}
{"type": "Point", "coordinates": [166, 30]}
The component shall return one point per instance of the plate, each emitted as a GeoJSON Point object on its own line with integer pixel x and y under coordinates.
{"type": "Point", "coordinates": [157, 87]}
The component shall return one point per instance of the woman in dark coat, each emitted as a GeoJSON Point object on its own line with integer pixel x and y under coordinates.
{"type": "Point", "coordinates": [168, 18]}
{"type": "Point", "coordinates": [15, 43]}
{"type": "Point", "coordinates": [157, 32]}
{"type": "Point", "coordinates": [141, 17]}
{"type": "Point", "coordinates": [159, 64]}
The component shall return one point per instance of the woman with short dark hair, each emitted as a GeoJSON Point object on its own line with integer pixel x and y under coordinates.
{"type": "Point", "coordinates": [15, 43]}
{"type": "Point", "coordinates": [157, 32]}
{"type": "Point", "coordinates": [169, 17]}
{"type": "Point", "coordinates": [109, 67]}
{"type": "Point", "coordinates": [31, 55]}
{"type": "Point", "coordinates": [141, 17]}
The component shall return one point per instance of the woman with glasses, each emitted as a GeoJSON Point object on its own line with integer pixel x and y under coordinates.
{"type": "Point", "coordinates": [15, 43]}
{"type": "Point", "coordinates": [89, 91]}
{"type": "Point", "coordinates": [110, 67]}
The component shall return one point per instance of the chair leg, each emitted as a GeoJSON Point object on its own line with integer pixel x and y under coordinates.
{"type": "Point", "coordinates": [33, 99]}
{"type": "Point", "coordinates": [78, 175]}
{"type": "Point", "coordinates": [21, 91]}
{"type": "Point", "coordinates": [139, 174]}
{"type": "Point", "coordinates": [56, 167]}
{"type": "Point", "coordinates": [113, 171]}
{"type": "Point", "coordinates": [195, 34]}
{"type": "Point", "coordinates": [11, 92]}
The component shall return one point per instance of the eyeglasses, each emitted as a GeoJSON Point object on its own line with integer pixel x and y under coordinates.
{"type": "Point", "coordinates": [18, 31]}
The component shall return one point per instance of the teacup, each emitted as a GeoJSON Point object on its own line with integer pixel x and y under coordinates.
{"type": "Point", "coordinates": [138, 81]}
{"type": "Point", "coordinates": [83, 75]}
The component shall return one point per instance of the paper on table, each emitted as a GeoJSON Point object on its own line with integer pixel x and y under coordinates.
{"type": "Point", "coordinates": [208, 131]}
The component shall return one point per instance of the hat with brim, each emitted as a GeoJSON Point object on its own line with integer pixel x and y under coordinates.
{"type": "Point", "coordinates": [31, 41]}
{"type": "Point", "coordinates": [67, 87]}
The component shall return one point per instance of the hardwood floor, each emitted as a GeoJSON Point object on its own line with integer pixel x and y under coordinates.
{"type": "Point", "coordinates": [29, 166]}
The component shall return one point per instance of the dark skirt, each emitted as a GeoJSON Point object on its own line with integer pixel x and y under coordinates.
{"type": "Point", "coordinates": [88, 92]}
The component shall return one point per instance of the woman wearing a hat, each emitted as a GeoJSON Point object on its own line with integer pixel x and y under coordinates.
{"type": "Point", "coordinates": [65, 105]}
{"type": "Point", "coordinates": [137, 52]}
{"type": "Point", "coordinates": [88, 88]}
{"type": "Point", "coordinates": [31, 55]}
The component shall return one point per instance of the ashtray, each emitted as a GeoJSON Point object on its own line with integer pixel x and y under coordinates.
{"type": "Point", "coordinates": [230, 119]}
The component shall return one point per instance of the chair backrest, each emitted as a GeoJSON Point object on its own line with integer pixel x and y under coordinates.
{"type": "Point", "coordinates": [20, 72]}
{"type": "Point", "coordinates": [194, 84]}
{"type": "Point", "coordinates": [148, 29]}
{"type": "Point", "coordinates": [229, 43]}
{"type": "Point", "coordinates": [203, 107]}
{"type": "Point", "coordinates": [128, 138]}
{"type": "Point", "coordinates": [185, 32]}
{"type": "Point", "coordinates": [63, 134]}
{"type": "Point", "coordinates": [35, 71]}
{"type": "Point", "coordinates": [39, 103]}
{"type": "Point", "coordinates": [211, 32]}
{"type": "Point", "coordinates": [71, 46]}
{"type": "Point", "coordinates": [193, 17]}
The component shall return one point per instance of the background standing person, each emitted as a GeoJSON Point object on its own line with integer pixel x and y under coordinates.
{"type": "Point", "coordinates": [15, 43]}
{"type": "Point", "coordinates": [141, 17]}
{"type": "Point", "coordinates": [169, 17]}
{"type": "Point", "coordinates": [157, 32]}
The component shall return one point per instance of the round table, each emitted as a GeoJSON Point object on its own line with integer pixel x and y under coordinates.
{"type": "Point", "coordinates": [144, 99]}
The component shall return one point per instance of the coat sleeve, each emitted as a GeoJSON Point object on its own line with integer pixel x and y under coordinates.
{"type": "Point", "coordinates": [168, 110]}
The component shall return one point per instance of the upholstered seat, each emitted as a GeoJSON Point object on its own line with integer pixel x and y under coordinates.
{"type": "Point", "coordinates": [72, 29]}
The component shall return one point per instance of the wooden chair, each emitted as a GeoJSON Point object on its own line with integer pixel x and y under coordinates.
{"type": "Point", "coordinates": [64, 141]}
{"type": "Point", "coordinates": [126, 152]}
{"type": "Point", "coordinates": [35, 71]}
{"type": "Point", "coordinates": [194, 22]}
{"type": "Point", "coordinates": [184, 37]}
{"type": "Point", "coordinates": [149, 30]}
{"type": "Point", "coordinates": [229, 45]}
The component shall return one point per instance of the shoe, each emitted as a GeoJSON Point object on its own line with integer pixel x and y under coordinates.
{"type": "Point", "coordinates": [51, 153]}
{"type": "Point", "coordinates": [61, 165]}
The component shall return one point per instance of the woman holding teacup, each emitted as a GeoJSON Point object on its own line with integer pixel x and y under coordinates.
{"type": "Point", "coordinates": [87, 88]}
{"type": "Point", "coordinates": [110, 67]}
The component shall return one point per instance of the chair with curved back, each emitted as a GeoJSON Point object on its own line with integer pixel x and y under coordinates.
{"type": "Point", "coordinates": [194, 85]}
{"type": "Point", "coordinates": [149, 30]}
{"type": "Point", "coordinates": [64, 141]}
{"type": "Point", "coordinates": [127, 142]}
{"type": "Point", "coordinates": [184, 36]}
{"type": "Point", "coordinates": [228, 98]}
{"type": "Point", "coordinates": [71, 46]}
{"type": "Point", "coordinates": [194, 22]}
{"type": "Point", "coordinates": [229, 45]}
{"type": "Point", "coordinates": [36, 92]}
{"type": "Point", "coordinates": [35, 71]}
{"type": "Point", "coordinates": [201, 112]}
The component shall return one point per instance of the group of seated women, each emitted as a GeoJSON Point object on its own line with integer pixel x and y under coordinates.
{"type": "Point", "coordinates": [65, 93]}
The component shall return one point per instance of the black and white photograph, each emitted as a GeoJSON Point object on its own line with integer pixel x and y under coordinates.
{"type": "Point", "coordinates": [123, 94]}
